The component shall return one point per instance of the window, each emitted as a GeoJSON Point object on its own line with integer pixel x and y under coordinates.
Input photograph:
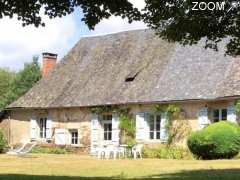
{"type": "Point", "coordinates": [107, 127]}
{"type": "Point", "coordinates": [155, 126]}
{"type": "Point", "coordinates": [43, 127]}
{"type": "Point", "coordinates": [219, 115]}
{"type": "Point", "coordinates": [74, 136]}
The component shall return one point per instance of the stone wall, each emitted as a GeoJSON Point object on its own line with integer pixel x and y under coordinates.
{"type": "Point", "coordinates": [18, 129]}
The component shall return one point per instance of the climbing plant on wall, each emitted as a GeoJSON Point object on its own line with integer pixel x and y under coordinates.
{"type": "Point", "coordinates": [237, 106]}
{"type": "Point", "coordinates": [173, 113]}
{"type": "Point", "coordinates": [127, 123]}
{"type": "Point", "coordinates": [127, 128]}
{"type": "Point", "coordinates": [104, 109]}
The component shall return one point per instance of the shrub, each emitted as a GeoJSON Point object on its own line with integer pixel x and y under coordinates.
{"type": "Point", "coordinates": [50, 150]}
{"type": "Point", "coordinates": [166, 152]}
{"type": "Point", "coordinates": [3, 142]}
{"type": "Point", "coordinates": [218, 141]}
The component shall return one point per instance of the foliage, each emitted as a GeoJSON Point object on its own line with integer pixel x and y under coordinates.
{"type": "Point", "coordinates": [3, 142]}
{"type": "Point", "coordinates": [13, 85]}
{"type": "Point", "coordinates": [172, 112]}
{"type": "Point", "coordinates": [93, 11]}
{"type": "Point", "coordinates": [105, 109]}
{"type": "Point", "coordinates": [237, 106]}
{"type": "Point", "coordinates": [217, 141]}
{"type": "Point", "coordinates": [6, 79]}
{"type": "Point", "coordinates": [128, 129]}
{"type": "Point", "coordinates": [50, 150]}
{"type": "Point", "coordinates": [26, 78]}
{"type": "Point", "coordinates": [175, 21]}
{"type": "Point", "coordinates": [126, 122]}
{"type": "Point", "coordinates": [166, 152]}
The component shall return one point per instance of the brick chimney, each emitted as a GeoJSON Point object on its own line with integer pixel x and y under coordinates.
{"type": "Point", "coordinates": [49, 61]}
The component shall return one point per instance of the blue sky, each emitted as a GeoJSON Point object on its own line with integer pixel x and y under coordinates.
{"type": "Point", "coordinates": [19, 44]}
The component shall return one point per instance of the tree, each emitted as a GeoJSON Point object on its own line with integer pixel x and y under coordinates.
{"type": "Point", "coordinates": [94, 10]}
{"type": "Point", "coordinates": [176, 21]}
{"type": "Point", "coordinates": [187, 22]}
{"type": "Point", "coordinates": [6, 79]}
{"type": "Point", "coordinates": [25, 79]}
{"type": "Point", "coordinates": [14, 85]}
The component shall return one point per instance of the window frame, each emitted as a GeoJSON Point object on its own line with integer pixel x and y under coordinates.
{"type": "Point", "coordinates": [73, 138]}
{"type": "Point", "coordinates": [220, 115]}
{"type": "Point", "coordinates": [156, 132]}
{"type": "Point", "coordinates": [107, 121]}
{"type": "Point", "coordinates": [42, 134]}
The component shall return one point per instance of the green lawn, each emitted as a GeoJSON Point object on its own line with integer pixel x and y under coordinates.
{"type": "Point", "coordinates": [73, 167]}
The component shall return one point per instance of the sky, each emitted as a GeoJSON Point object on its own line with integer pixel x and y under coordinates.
{"type": "Point", "coordinates": [19, 44]}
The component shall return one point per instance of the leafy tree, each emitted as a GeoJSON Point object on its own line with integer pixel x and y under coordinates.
{"type": "Point", "coordinates": [25, 79]}
{"type": "Point", "coordinates": [175, 21]}
{"type": "Point", "coordinates": [94, 10]}
{"type": "Point", "coordinates": [6, 79]}
{"type": "Point", "coordinates": [14, 85]}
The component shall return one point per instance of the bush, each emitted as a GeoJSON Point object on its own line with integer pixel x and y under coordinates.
{"type": "Point", "coordinates": [166, 152]}
{"type": "Point", "coordinates": [50, 150]}
{"type": "Point", "coordinates": [218, 141]}
{"type": "Point", "coordinates": [3, 142]}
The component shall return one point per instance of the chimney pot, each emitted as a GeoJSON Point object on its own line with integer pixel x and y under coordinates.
{"type": "Point", "coordinates": [49, 61]}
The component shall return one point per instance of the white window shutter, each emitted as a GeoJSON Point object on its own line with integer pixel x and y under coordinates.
{"type": "Point", "coordinates": [203, 120]}
{"type": "Point", "coordinates": [60, 136]}
{"type": "Point", "coordinates": [94, 133]}
{"type": "Point", "coordinates": [115, 128]}
{"type": "Point", "coordinates": [33, 124]}
{"type": "Point", "coordinates": [141, 126]}
{"type": "Point", "coordinates": [231, 114]}
{"type": "Point", "coordinates": [49, 128]}
{"type": "Point", "coordinates": [163, 130]}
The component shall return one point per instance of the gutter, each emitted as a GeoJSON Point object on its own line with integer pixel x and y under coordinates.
{"type": "Point", "coordinates": [129, 103]}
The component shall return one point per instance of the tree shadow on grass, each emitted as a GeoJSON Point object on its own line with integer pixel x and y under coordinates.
{"type": "Point", "coordinates": [214, 174]}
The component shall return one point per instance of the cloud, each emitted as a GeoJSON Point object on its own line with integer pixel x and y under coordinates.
{"type": "Point", "coordinates": [117, 24]}
{"type": "Point", "coordinates": [18, 44]}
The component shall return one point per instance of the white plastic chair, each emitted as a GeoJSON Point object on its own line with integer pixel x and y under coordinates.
{"type": "Point", "coordinates": [121, 152]}
{"type": "Point", "coordinates": [101, 152]}
{"type": "Point", "coordinates": [111, 152]}
{"type": "Point", "coordinates": [137, 151]}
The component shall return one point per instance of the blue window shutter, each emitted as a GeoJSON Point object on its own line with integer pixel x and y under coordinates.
{"type": "Point", "coordinates": [140, 123]}
{"type": "Point", "coordinates": [231, 114]}
{"type": "Point", "coordinates": [203, 120]}
{"type": "Point", "coordinates": [33, 128]}
{"type": "Point", "coordinates": [163, 130]}
{"type": "Point", "coordinates": [49, 128]}
{"type": "Point", "coordinates": [94, 133]}
{"type": "Point", "coordinates": [115, 128]}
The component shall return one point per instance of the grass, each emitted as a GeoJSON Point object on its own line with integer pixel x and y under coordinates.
{"type": "Point", "coordinates": [74, 167]}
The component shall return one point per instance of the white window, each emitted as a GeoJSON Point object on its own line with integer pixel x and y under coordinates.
{"type": "Point", "coordinates": [74, 136]}
{"type": "Point", "coordinates": [107, 127]}
{"type": "Point", "coordinates": [42, 127]}
{"type": "Point", "coordinates": [154, 126]}
{"type": "Point", "coordinates": [219, 115]}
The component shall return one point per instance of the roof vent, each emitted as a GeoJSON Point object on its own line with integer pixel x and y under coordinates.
{"type": "Point", "coordinates": [131, 76]}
